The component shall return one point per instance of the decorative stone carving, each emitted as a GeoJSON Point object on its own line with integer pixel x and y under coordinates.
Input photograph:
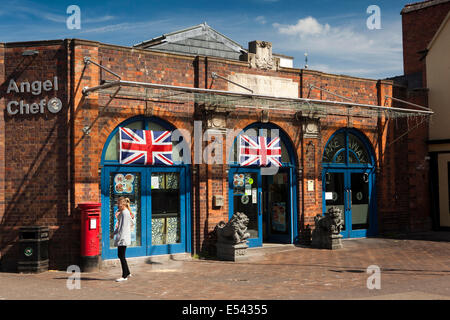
{"type": "Point", "coordinates": [326, 234]}
{"type": "Point", "coordinates": [311, 128]}
{"type": "Point", "coordinates": [216, 121]}
{"type": "Point", "coordinates": [260, 56]}
{"type": "Point", "coordinates": [310, 124]}
{"type": "Point", "coordinates": [215, 117]}
{"type": "Point", "coordinates": [232, 238]}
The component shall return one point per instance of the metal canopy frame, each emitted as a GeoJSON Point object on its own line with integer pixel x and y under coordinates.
{"type": "Point", "coordinates": [234, 100]}
{"type": "Point", "coordinates": [229, 100]}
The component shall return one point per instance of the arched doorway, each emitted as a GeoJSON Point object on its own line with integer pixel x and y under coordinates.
{"type": "Point", "coordinates": [159, 194]}
{"type": "Point", "coordinates": [348, 181]}
{"type": "Point", "coordinates": [267, 197]}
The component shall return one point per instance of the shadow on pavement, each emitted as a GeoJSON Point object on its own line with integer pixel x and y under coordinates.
{"type": "Point", "coordinates": [86, 279]}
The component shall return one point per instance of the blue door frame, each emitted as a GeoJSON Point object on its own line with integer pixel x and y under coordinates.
{"type": "Point", "coordinates": [108, 251]}
{"type": "Point", "coordinates": [347, 169]}
{"type": "Point", "coordinates": [290, 210]}
{"type": "Point", "coordinates": [110, 166]}
{"type": "Point", "coordinates": [252, 242]}
{"type": "Point", "coordinates": [348, 232]}
{"type": "Point", "coordinates": [273, 237]}
{"type": "Point", "coordinates": [288, 166]}
{"type": "Point", "coordinates": [146, 248]}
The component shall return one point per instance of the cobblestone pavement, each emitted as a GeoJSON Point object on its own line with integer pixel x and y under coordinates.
{"type": "Point", "coordinates": [410, 269]}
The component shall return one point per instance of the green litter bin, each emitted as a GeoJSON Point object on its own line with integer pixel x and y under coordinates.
{"type": "Point", "coordinates": [33, 246]}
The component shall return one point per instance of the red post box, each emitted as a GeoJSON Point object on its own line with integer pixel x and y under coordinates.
{"type": "Point", "coordinates": [90, 231]}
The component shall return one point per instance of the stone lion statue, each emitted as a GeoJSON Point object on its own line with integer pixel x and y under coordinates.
{"type": "Point", "coordinates": [235, 231]}
{"type": "Point", "coordinates": [331, 222]}
{"type": "Point", "coordinates": [327, 229]}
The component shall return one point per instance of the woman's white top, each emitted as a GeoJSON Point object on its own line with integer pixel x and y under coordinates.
{"type": "Point", "coordinates": [122, 234]}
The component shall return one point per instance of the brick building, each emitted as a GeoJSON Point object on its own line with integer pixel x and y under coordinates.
{"type": "Point", "coordinates": [335, 138]}
{"type": "Point", "coordinates": [426, 74]}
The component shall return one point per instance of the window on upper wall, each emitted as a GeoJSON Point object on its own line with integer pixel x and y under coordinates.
{"type": "Point", "coordinates": [346, 143]}
{"type": "Point", "coordinates": [357, 150]}
{"type": "Point", "coordinates": [259, 132]}
{"type": "Point", "coordinates": [335, 149]}
{"type": "Point", "coordinates": [112, 150]}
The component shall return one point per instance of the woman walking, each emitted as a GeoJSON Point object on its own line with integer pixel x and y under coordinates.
{"type": "Point", "coordinates": [122, 234]}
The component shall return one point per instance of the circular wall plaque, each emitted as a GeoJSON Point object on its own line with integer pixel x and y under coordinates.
{"type": "Point", "coordinates": [54, 105]}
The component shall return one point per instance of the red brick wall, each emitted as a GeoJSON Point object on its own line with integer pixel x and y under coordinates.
{"type": "Point", "coordinates": [56, 147]}
{"type": "Point", "coordinates": [419, 27]}
{"type": "Point", "coordinates": [34, 157]}
{"type": "Point", "coordinates": [418, 166]}
{"type": "Point", "coordinates": [2, 142]}
{"type": "Point", "coordinates": [134, 65]}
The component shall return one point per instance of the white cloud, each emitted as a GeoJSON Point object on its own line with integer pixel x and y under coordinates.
{"type": "Point", "coordinates": [261, 19]}
{"type": "Point", "coordinates": [342, 40]}
{"type": "Point", "coordinates": [304, 27]}
{"type": "Point", "coordinates": [347, 49]}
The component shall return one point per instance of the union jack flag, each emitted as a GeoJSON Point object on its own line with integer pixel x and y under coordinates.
{"type": "Point", "coordinates": [145, 147]}
{"type": "Point", "coordinates": [259, 151]}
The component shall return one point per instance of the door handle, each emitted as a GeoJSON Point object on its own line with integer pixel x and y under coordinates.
{"type": "Point", "coordinates": [350, 199]}
{"type": "Point", "coordinates": [260, 203]}
{"type": "Point", "coordinates": [346, 197]}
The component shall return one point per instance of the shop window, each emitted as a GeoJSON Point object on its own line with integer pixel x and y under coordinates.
{"type": "Point", "coordinates": [126, 185]}
{"type": "Point", "coordinates": [165, 208]}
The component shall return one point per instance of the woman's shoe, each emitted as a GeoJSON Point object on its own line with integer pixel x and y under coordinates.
{"type": "Point", "coordinates": [121, 279]}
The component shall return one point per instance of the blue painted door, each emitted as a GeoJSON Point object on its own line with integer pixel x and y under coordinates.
{"type": "Point", "coordinates": [276, 206]}
{"type": "Point", "coordinates": [245, 196]}
{"type": "Point", "coordinates": [359, 187]}
{"type": "Point", "coordinates": [158, 197]}
{"type": "Point", "coordinates": [351, 191]}
{"type": "Point", "coordinates": [166, 214]}
{"type": "Point", "coordinates": [120, 181]}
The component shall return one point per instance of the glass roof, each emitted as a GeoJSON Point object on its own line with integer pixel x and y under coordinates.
{"type": "Point", "coordinates": [233, 100]}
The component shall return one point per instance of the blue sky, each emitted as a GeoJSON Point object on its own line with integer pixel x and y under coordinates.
{"type": "Point", "coordinates": [333, 33]}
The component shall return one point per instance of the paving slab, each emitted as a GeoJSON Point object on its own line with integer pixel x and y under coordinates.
{"type": "Point", "coordinates": [409, 269]}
